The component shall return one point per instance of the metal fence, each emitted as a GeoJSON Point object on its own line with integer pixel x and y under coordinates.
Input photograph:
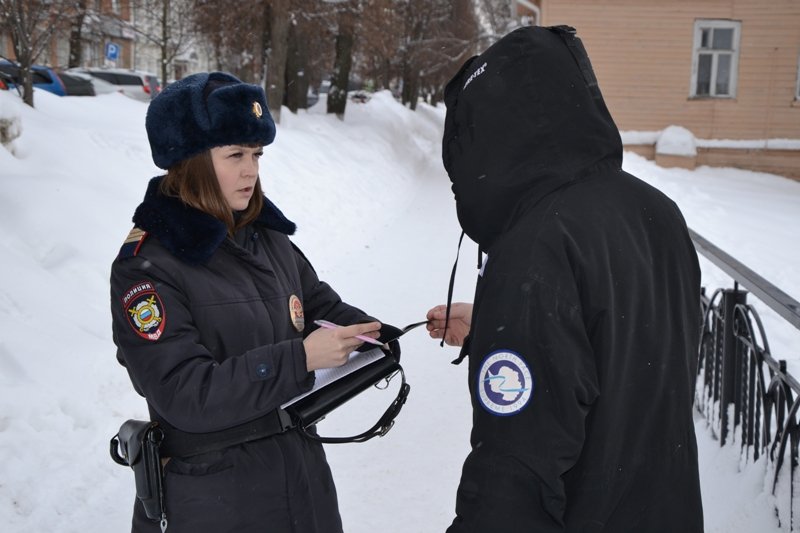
{"type": "Point", "coordinates": [747, 396]}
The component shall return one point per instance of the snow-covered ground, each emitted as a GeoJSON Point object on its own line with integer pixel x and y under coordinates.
{"type": "Point", "coordinates": [377, 219]}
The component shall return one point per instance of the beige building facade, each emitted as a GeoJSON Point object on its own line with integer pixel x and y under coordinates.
{"type": "Point", "coordinates": [726, 70]}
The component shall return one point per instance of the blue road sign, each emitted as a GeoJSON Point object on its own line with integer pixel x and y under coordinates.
{"type": "Point", "coordinates": [112, 51]}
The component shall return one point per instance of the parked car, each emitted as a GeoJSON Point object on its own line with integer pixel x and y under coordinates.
{"type": "Point", "coordinates": [97, 86]}
{"type": "Point", "coordinates": [77, 84]}
{"type": "Point", "coordinates": [43, 77]}
{"type": "Point", "coordinates": [134, 83]}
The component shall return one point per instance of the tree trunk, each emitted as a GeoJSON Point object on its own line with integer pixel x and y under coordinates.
{"type": "Point", "coordinates": [337, 95]}
{"type": "Point", "coordinates": [265, 40]}
{"type": "Point", "coordinates": [165, 29]}
{"type": "Point", "coordinates": [386, 82]}
{"type": "Point", "coordinates": [26, 73]}
{"type": "Point", "coordinates": [276, 59]}
{"type": "Point", "coordinates": [296, 65]}
{"type": "Point", "coordinates": [75, 44]}
{"type": "Point", "coordinates": [410, 92]}
{"type": "Point", "coordinates": [25, 60]}
{"type": "Point", "coordinates": [437, 95]}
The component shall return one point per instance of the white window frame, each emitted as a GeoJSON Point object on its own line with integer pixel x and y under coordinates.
{"type": "Point", "coordinates": [797, 87]}
{"type": "Point", "coordinates": [699, 26]}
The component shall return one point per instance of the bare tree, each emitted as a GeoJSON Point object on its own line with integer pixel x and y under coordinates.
{"type": "Point", "coordinates": [31, 24]}
{"type": "Point", "coordinates": [75, 34]}
{"type": "Point", "coordinates": [309, 55]}
{"type": "Point", "coordinates": [345, 41]}
{"type": "Point", "coordinates": [317, 32]}
{"type": "Point", "coordinates": [242, 53]}
{"type": "Point", "coordinates": [437, 36]}
{"type": "Point", "coordinates": [414, 45]}
{"type": "Point", "coordinates": [167, 24]}
{"type": "Point", "coordinates": [287, 45]}
{"type": "Point", "coordinates": [209, 22]}
{"type": "Point", "coordinates": [279, 16]}
{"type": "Point", "coordinates": [381, 37]}
{"type": "Point", "coordinates": [498, 18]}
{"type": "Point", "coordinates": [296, 82]}
{"type": "Point", "coordinates": [456, 41]}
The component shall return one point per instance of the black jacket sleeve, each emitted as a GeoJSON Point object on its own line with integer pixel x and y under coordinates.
{"type": "Point", "coordinates": [518, 461]}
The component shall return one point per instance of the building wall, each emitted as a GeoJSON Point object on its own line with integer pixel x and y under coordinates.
{"type": "Point", "coordinates": [782, 162]}
{"type": "Point", "coordinates": [103, 16]}
{"type": "Point", "coordinates": [642, 54]}
{"type": "Point", "coordinates": [6, 49]}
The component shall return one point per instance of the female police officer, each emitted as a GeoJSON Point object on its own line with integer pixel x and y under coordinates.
{"type": "Point", "coordinates": [213, 311]}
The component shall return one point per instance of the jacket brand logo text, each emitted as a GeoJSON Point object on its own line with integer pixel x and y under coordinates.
{"type": "Point", "coordinates": [475, 75]}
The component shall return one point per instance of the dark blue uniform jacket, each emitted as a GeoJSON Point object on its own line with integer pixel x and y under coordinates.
{"type": "Point", "coordinates": [203, 325]}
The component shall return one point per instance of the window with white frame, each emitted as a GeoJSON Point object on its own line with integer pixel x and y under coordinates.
{"type": "Point", "coordinates": [715, 58]}
{"type": "Point", "coordinates": [797, 88]}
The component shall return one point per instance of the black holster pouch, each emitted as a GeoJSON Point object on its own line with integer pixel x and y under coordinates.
{"type": "Point", "coordinates": [137, 445]}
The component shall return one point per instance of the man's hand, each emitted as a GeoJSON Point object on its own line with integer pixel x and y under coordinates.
{"type": "Point", "coordinates": [458, 326]}
{"type": "Point", "coordinates": [329, 348]}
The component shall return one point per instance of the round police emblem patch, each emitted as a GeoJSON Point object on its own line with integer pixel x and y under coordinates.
{"type": "Point", "coordinates": [144, 310]}
{"type": "Point", "coordinates": [296, 313]}
{"type": "Point", "coordinates": [505, 383]}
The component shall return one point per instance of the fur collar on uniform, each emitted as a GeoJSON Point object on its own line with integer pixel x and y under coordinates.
{"type": "Point", "coordinates": [188, 233]}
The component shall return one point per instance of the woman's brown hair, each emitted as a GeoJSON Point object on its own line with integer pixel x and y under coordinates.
{"type": "Point", "coordinates": [195, 183]}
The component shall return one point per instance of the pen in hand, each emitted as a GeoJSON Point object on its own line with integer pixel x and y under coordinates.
{"type": "Point", "coordinates": [330, 325]}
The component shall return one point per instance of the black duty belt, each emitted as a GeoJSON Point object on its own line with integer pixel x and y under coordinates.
{"type": "Point", "coordinates": [179, 443]}
{"type": "Point", "coordinates": [301, 415]}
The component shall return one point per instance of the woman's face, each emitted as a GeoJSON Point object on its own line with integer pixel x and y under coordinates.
{"type": "Point", "coordinates": [237, 171]}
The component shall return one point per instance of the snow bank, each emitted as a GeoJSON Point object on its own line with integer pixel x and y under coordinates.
{"type": "Point", "coordinates": [676, 140]}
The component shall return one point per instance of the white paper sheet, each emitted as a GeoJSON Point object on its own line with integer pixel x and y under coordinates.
{"type": "Point", "coordinates": [326, 376]}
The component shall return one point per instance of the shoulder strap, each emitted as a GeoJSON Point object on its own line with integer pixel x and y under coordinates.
{"type": "Point", "coordinates": [133, 242]}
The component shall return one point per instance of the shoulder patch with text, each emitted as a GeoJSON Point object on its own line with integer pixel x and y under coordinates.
{"type": "Point", "coordinates": [505, 383]}
{"type": "Point", "coordinates": [144, 310]}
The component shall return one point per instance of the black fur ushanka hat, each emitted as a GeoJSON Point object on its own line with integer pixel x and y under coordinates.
{"type": "Point", "coordinates": [203, 111]}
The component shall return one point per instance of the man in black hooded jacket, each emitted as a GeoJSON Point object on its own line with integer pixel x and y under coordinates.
{"type": "Point", "coordinates": [584, 331]}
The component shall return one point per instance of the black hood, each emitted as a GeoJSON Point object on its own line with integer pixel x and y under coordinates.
{"type": "Point", "coordinates": [524, 118]}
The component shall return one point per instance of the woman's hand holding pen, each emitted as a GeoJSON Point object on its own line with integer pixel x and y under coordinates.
{"type": "Point", "coordinates": [328, 348]}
